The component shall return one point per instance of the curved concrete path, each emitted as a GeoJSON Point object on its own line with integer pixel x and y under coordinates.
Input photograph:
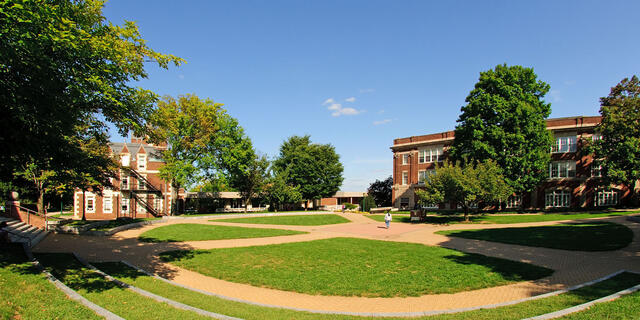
{"type": "Point", "coordinates": [571, 267]}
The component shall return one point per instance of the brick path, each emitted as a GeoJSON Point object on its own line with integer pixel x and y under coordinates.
{"type": "Point", "coordinates": [571, 267]}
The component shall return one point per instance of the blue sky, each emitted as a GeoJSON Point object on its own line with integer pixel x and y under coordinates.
{"type": "Point", "coordinates": [357, 74]}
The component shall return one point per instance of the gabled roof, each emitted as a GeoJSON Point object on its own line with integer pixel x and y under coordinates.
{"type": "Point", "coordinates": [154, 154]}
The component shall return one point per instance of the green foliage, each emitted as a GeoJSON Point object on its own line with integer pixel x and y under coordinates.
{"type": "Point", "coordinates": [250, 179]}
{"type": "Point", "coordinates": [381, 191]}
{"type": "Point", "coordinates": [367, 203]}
{"type": "Point", "coordinates": [466, 186]}
{"type": "Point", "coordinates": [350, 206]}
{"type": "Point", "coordinates": [65, 71]}
{"type": "Point", "coordinates": [277, 192]}
{"type": "Point", "coordinates": [504, 120]}
{"type": "Point", "coordinates": [619, 149]}
{"type": "Point", "coordinates": [314, 168]}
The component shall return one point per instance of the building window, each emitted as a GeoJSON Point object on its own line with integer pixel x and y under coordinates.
{"type": "Point", "coordinates": [125, 160]}
{"type": "Point", "coordinates": [423, 175]}
{"type": "Point", "coordinates": [606, 198]}
{"type": "Point", "coordinates": [405, 177]}
{"type": "Point", "coordinates": [142, 162]}
{"type": "Point", "coordinates": [514, 201]}
{"type": "Point", "coordinates": [140, 205]}
{"type": "Point", "coordinates": [564, 144]}
{"type": "Point", "coordinates": [107, 205]}
{"type": "Point", "coordinates": [124, 203]}
{"type": "Point", "coordinates": [404, 202]}
{"type": "Point", "coordinates": [124, 181]}
{"type": "Point", "coordinates": [157, 204]}
{"type": "Point", "coordinates": [433, 154]}
{"type": "Point", "coordinates": [405, 158]}
{"type": "Point", "coordinates": [557, 199]}
{"type": "Point", "coordinates": [562, 169]}
{"type": "Point", "coordinates": [596, 136]}
{"type": "Point", "coordinates": [142, 184]}
{"type": "Point", "coordinates": [90, 204]}
{"type": "Point", "coordinates": [596, 171]}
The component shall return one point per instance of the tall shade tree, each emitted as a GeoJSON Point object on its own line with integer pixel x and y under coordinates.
{"type": "Point", "coordinates": [467, 186]}
{"type": "Point", "coordinates": [188, 125]}
{"type": "Point", "coordinates": [504, 120]}
{"type": "Point", "coordinates": [618, 152]}
{"type": "Point", "coordinates": [64, 72]}
{"type": "Point", "coordinates": [314, 168]}
{"type": "Point", "coordinates": [380, 190]}
{"type": "Point", "coordinates": [277, 192]}
{"type": "Point", "coordinates": [250, 178]}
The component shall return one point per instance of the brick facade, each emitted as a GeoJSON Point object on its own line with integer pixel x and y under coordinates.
{"type": "Point", "coordinates": [573, 188]}
{"type": "Point", "coordinates": [138, 191]}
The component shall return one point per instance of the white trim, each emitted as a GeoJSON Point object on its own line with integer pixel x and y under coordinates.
{"type": "Point", "coordinates": [104, 204]}
{"type": "Point", "coordinates": [90, 196]}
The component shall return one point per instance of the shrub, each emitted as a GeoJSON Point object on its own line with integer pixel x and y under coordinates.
{"type": "Point", "coordinates": [367, 203]}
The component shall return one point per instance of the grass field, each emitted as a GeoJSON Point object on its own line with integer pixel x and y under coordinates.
{"type": "Point", "coordinates": [121, 222]}
{"type": "Point", "coordinates": [356, 267]}
{"type": "Point", "coordinates": [504, 219]}
{"type": "Point", "coordinates": [295, 220]}
{"type": "Point", "coordinates": [253, 312]}
{"type": "Point", "coordinates": [26, 294]}
{"type": "Point", "coordinates": [198, 232]}
{"type": "Point", "coordinates": [596, 236]}
{"type": "Point", "coordinates": [625, 307]}
{"type": "Point", "coordinates": [106, 294]}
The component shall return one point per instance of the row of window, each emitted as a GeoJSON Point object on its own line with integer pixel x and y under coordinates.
{"type": "Point", "coordinates": [142, 161]}
{"type": "Point", "coordinates": [429, 155]}
{"type": "Point", "coordinates": [107, 204]}
{"type": "Point", "coordinates": [124, 182]}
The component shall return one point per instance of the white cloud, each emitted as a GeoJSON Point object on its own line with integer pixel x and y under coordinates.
{"type": "Point", "coordinates": [350, 99]}
{"type": "Point", "coordinates": [367, 90]}
{"type": "Point", "coordinates": [335, 106]}
{"type": "Point", "coordinates": [328, 101]}
{"type": "Point", "coordinates": [181, 76]}
{"type": "Point", "coordinates": [346, 112]}
{"type": "Point", "coordinates": [555, 95]}
{"type": "Point", "coordinates": [385, 121]}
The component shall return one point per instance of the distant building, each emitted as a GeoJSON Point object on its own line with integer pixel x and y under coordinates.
{"type": "Point", "coordinates": [138, 191]}
{"type": "Point", "coordinates": [572, 183]}
{"type": "Point", "coordinates": [336, 202]}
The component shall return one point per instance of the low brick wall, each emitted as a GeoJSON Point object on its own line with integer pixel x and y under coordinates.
{"type": "Point", "coordinates": [14, 211]}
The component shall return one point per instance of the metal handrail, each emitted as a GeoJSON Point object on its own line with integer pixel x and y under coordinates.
{"type": "Point", "coordinates": [30, 212]}
{"type": "Point", "coordinates": [147, 206]}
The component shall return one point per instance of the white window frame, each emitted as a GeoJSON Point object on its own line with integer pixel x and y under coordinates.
{"type": "Point", "coordinates": [125, 159]}
{"type": "Point", "coordinates": [125, 203]}
{"type": "Point", "coordinates": [606, 198]}
{"type": "Point", "coordinates": [107, 204]}
{"type": "Point", "coordinates": [514, 201]}
{"type": "Point", "coordinates": [405, 159]}
{"type": "Point", "coordinates": [157, 203]}
{"type": "Point", "coordinates": [140, 207]}
{"type": "Point", "coordinates": [428, 155]}
{"type": "Point", "coordinates": [142, 162]}
{"type": "Point", "coordinates": [596, 171]}
{"type": "Point", "coordinates": [407, 202]}
{"type": "Point", "coordinates": [565, 143]}
{"type": "Point", "coordinates": [596, 136]}
{"type": "Point", "coordinates": [124, 177]}
{"type": "Point", "coordinates": [405, 178]}
{"type": "Point", "coordinates": [422, 176]}
{"type": "Point", "coordinates": [92, 197]}
{"type": "Point", "coordinates": [142, 186]}
{"type": "Point", "coordinates": [557, 198]}
{"type": "Point", "coordinates": [562, 169]}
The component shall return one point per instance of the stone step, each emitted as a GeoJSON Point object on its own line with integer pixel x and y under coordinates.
{"type": "Point", "coordinates": [21, 227]}
{"type": "Point", "coordinates": [39, 237]}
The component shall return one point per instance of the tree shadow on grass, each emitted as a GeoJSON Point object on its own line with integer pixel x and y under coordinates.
{"type": "Point", "coordinates": [508, 269]}
{"type": "Point", "coordinates": [72, 273]}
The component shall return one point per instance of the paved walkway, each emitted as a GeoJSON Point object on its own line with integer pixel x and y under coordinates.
{"type": "Point", "coordinates": [571, 267]}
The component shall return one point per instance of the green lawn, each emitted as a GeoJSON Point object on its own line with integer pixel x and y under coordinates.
{"type": "Point", "coordinates": [596, 236]}
{"type": "Point", "coordinates": [356, 267]}
{"type": "Point", "coordinates": [121, 222]}
{"type": "Point", "coordinates": [253, 312]}
{"type": "Point", "coordinates": [295, 220]}
{"type": "Point", "coordinates": [625, 307]}
{"type": "Point", "coordinates": [198, 232]}
{"type": "Point", "coordinates": [106, 294]}
{"type": "Point", "coordinates": [26, 294]}
{"type": "Point", "coordinates": [504, 219]}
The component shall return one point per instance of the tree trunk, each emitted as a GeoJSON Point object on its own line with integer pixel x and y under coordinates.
{"type": "Point", "coordinates": [174, 198]}
{"type": "Point", "coordinates": [246, 204]}
{"type": "Point", "coordinates": [84, 218]}
{"type": "Point", "coordinates": [41, 200]}
{"type": "Point", "coordinates": [466, 214]}
{"type": "Point", "coordinates": [306, 204]}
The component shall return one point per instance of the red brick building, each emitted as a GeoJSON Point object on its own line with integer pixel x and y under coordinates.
{"type": "Point", "coordinates": [138, 191]}
{"type": "Point", "coordinates": [573, 182]}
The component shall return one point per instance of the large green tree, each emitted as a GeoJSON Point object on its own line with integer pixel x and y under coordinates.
{"type": "Point", "coordinates": [250, 178]}
{"type": "Point", "coordinates": [314, 168]}
{"type": "Point", "coordinates": [65, 72]}
{"type": "Point", "coordinates": [467, 186]}
{"type": "Point", "coordinates": [380, 190]}
{"type": "Point", "coordinates": [618, 152]}
{"type": "Point", "coordinates": [504, 120]}
{"type": "Point", "coordinates": [277, 192]}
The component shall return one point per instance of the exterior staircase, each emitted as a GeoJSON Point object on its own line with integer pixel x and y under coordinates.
{"type": "Point", "coordinates": [20, 232]}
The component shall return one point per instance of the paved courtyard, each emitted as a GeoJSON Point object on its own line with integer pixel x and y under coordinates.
{"type": "Point", "coordinates": [571, 267]}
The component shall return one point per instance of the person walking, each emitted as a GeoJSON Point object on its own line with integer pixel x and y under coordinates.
{"type": "Point", "coordinates": [387, 219]}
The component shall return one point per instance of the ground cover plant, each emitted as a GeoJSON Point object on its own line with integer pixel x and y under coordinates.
{"type": "Point", "coordinates": [26, 294]}
{"type": "Point", "coordinates": [198, 232]}
{"type": "Point", "coordinates": [121, 222]}
{"type": "Point", "coordinates": [506, 218]}
{"type": "Point", "coordinates": [249, 312]}
{"type": "Point", "coordinates": [594, 236]}
{"type": "Point", "coordinates": [356, 267]}
{"type": "Point", "coordinates": [106, 294]}
{"type": "Point", "coordinates": [294, 220]}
